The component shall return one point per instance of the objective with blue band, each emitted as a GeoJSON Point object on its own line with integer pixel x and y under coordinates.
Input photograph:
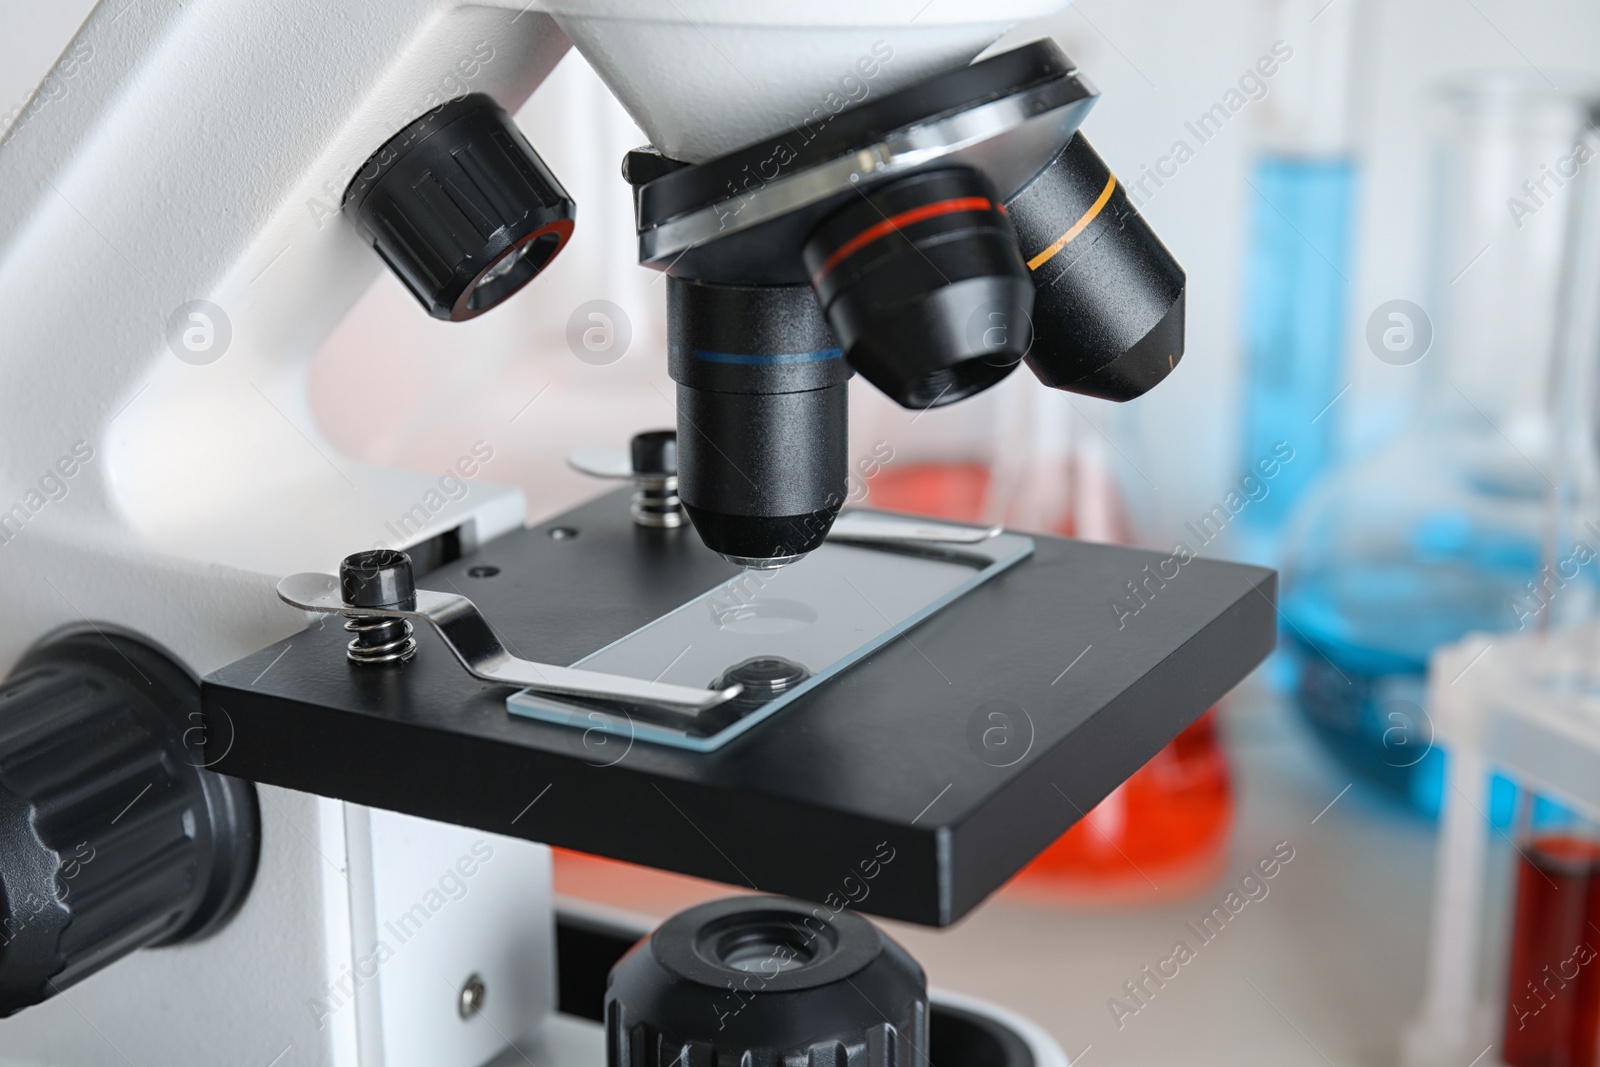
{"type": "Point", "coordinates": [762, 417]}
{"type": "Point", "coordinates": [819, 356]}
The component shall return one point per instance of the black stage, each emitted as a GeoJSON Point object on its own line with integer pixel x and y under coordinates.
{"type": "Point", "coordinates": [939, 765]}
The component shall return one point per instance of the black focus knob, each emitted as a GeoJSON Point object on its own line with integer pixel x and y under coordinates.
{"type": "Point", "coordinates": [461, 208]}
{"type": "Point", "coordinates": [653, 457]}
{"type": "Point", "coordinates": [654, 452]}
{"type": "Point", "coordinates": [762, 980]}
{"type": "Point", "coordinates": [113, 835]}
{"type": "Point", "coordinates": [762, 679]}
{"type": "Point", "coordinates": [378, 578]}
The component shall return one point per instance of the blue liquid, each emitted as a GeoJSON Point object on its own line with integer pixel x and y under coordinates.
{"type": "Point", "coordinates": [1296, 299]}
{"type": "Point", "coordinates": [1371, 726]}
{"type": "Point", "coordinates": [1356, 642]}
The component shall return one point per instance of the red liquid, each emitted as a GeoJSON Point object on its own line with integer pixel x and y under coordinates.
{"type": "Point", "coordinates": [1167, 826]}
{"type": "Point", "coordinates": [1553, 998]}
{"type": "Point", "coordinates": [1163, 832]}
{"type": "Point", "coordinates": [941, 490]}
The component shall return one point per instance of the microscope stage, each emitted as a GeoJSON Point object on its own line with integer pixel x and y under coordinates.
{"type": "Point", "coordinates": [911, 785]}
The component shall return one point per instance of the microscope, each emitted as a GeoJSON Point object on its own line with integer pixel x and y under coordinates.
{"type": "Point", "coordinates": [278, 788]}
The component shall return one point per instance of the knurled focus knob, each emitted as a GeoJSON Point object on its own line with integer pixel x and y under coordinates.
{"type": "Point", "coordinates": [461, 208]}
{"type": "Point", "coordinates": [766, 981]}
{"type": "Point", "coordinates": [113, 836]}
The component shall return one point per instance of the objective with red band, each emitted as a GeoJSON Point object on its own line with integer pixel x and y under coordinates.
{"type": "Point", "coordinates": [894, 225]}
{"type": "Point", "coordinates": [923, 283]}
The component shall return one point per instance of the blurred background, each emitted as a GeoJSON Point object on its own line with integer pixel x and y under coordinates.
{"type": "Point", "coordinates": [1388, 222]}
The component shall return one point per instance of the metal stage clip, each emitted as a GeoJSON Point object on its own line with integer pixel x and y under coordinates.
{"type": "Point", "coordinates": [469, 636]}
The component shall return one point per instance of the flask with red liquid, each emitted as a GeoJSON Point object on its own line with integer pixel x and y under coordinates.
{"type": "Point", "coordinates": [1164, 831]}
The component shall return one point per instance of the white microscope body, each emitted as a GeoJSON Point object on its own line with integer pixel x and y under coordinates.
{"type": "Point", "coordinates": [171, 254]}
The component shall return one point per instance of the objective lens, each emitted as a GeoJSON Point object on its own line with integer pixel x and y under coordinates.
{"type": "Point", "coordinates": [762, 418]}
{"type": "Point", "coordinates": [1109, 313]}
{"type": "Point", "coordinates": [922, 281]}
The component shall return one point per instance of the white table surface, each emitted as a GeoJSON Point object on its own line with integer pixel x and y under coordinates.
{"type": "Point", "coordinates": [1325, 969]}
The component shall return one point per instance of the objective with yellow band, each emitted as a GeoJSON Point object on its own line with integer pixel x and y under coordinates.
{"type": "Point", "coordinates": [1108, 307]}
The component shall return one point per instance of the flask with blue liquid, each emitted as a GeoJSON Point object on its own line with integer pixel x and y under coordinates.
{"type": "Point", "coordinates": [1471, 520]}
{"type": "Point", "coordinates": [1302, 197]}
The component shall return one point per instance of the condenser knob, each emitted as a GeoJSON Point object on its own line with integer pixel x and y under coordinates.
{"type": "Point", "coordinates": [113, 835]}
{"type": "Point", "coordinates": [764, 980]}
{"type": "Point", "coordinates": [461, 208]}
